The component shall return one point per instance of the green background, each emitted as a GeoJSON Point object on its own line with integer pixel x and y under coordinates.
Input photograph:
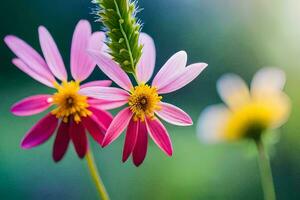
{"type": "Point", "coordinates": [229, 35]}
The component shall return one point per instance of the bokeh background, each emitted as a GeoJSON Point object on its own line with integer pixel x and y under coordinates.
{"type": "Point", "coordinates": [229, 35]}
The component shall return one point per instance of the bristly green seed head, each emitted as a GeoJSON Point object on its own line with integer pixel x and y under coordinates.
{"type": "Point", "coordinates": [123, 30]}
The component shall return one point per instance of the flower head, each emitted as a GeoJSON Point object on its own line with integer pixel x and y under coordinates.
{"type": "Point", "coordinates": [248, 114]}
{"type": "Point", "coordinates": [73, 113]}
{"type": "Point", "coordinates": [144, 101]}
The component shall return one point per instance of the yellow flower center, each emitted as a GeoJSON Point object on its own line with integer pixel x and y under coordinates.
{"type": "Point", "coordinates": [144, 101]}
{"type": "Point", "coordinates": [70, 104]}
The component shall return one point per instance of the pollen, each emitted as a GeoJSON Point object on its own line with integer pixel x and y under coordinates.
{"type": "Point", "coordinates": [70, 104]}
{"type": "Point", "coordinates": [144, 101]}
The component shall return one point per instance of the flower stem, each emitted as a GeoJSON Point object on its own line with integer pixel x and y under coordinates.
{"type": "Point", "coordinates": [95, 175]}
{"type": "Point", "coordinates": [265, 171]}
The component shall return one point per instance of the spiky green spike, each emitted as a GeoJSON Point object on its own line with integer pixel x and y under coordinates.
{"type": "Point", "coordinates": [123, 29]}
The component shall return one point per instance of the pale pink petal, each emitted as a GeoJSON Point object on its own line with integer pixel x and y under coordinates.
{"type": "Point", "coordinates": [174, 115]}
{"type": "Point", "coordinates": [40, 132]}
{"type": "Point", "coordinates": [79, 138]}
{"type": "Point", "coordinates": [140, 148]}
{"type": "Point", "coordinates": [146, 64]}
{"type": "Point", "coordinates": [117, 126]}
{"type": "Point", "coordinates": [94, 127]}
{"type": "Point", "coordinates": [159, 135]}
{"type": "Point", "coordinates": [181, 79]}
{"type": "Point", "coordinates": [233, 90]}
{"type": "Point", "coordinates": [52, 55]}
{"type": "Point", "coordinates": [269, 79]}
{"type": "Point", "coordinates": [174, 65]}
{"type": "Point", "coordinates": [33, 73]}
{"type": "Point", "coordinates": [130, 139]}
{"type": "Point", "coordinates": [96, 41]}
{"type": "Point", "coordinates": [111, 69]}
{"type": "Point", "coordinates": [31, 105]}
{"type": "Point", "coordinates": [106, 104]}
{"type": "Point", "coordinates": [104, 83]}
{"type": "Point", "coordinates": [105, 93]}
{"type": "Point", "coordinates": [212, 123]}
{"type": "Point", "coordinates": [82, 64]}
{"type": "Point", "coordinates": [104, 117]}
{"type": "Point", "coordinates": [61, 142]}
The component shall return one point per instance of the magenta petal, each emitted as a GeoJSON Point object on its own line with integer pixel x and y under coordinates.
{"type": "Point", "coordinates": [94, 127]}
{"type": "Point", "coordinates": [160, 135]}
{"type": "Point", "coordinates": [79, 138]}
{"type": "Point", "coordinates": [106, 104]}
{"type": "Point", "coordinates": [130, 139]}
{"type": "Point", "coordinates": [104, 83]}
{"type": "Point", "coordinates": [52, 54]}
{"type": "Point", "coordinates": [40, 132]}
{"type": "Point", "coordinates": [61, 142]}
{"type": "Point", "coordinates": [104, 117]}
{"type": "Point", "coordinates": [82, 64]}
{"type": "Point", "coordinates": [174, 115]}
{"type": "Point", "coordinates": [141, 145]}
{"type": "Point", "coordinates": [31, 105]}
{"type": "Point", "coordinates": [105, 93]}
{"type": "Point", "coordinates": [117, 126]}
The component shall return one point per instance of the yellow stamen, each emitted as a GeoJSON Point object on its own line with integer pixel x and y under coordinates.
{"type": "Point", "coordinates": [69, 103]}
{"type": "Point", "coordinates": [144, 101]}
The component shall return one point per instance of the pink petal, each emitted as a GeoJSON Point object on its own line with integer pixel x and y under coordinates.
{"type": "Point", "coordinates": [106, 104]}
{"type": "Point", "coordinates": [105, 93]}
{"type": "Point", "coordinates": [146, 64]}
{"type": "Point", "coordinates": [61, 142]}
{"type": "Point", "coordinates": [174, 65]}
{"type": "Point", "coordinates": [117, 126]}
{"type": "Point", "coordinates": [79, 138]}
{"type": "Point", "coordinates": [31, 105]}
{"type": "Point", "coordinates": [94, 127]}
{"type": "Point", "coordinates": [82, 64]}
{"type": "Point", "coordinates": [181, 79]}
{"type": "Point", "coordinates": [141, 145]}
{"type": "Point", "coordinates": [104, 83]}
{"type": "Point", "coordinates": [52, 55]}
{"type": "Point", "coordinates": [111, 69]}
{"type": "Point", "coordinates": [174, 115]}
{"type": "Point", "coordinates": [159, 135]}
{"type": "Point", "coordinates": [96, 41]}
{"type": "Point", "coordinates": [104, 117]}
{"type": "Point", "coordinates": [130, 139]}
{"type": "Point", "coordinates": [40, 132]}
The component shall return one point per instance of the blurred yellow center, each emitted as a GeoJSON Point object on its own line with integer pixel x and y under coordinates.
{"type": "Point", "coordinates": [143, 101]}
{"type": "Point", "coordinates": [70, 104]}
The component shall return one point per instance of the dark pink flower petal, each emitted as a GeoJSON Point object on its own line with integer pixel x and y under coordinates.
{"type": "Point", "coordinates": [31, 105]}
{"type": "Point", "coordinates": [174, 115]}
{"type": "Point", "coordinates": [141, 145]}
{"type": "Point", "coordinates": [52, 54]}
{"type": "Point", "coordinates": [106, 104]}
{"type": "Point", "coordinates": [104, 117]}
{"type": "Point", "coordinates": [40, 132]}
{"type": "Point", "coordinates": [94, 127]}
{"type": "Point", "coordinates": [117, 126]}
{"type": "Point", "coordinates": [146, 64]}
{"type": "Point", "coordinates": [104, 83]}
{"type": "Point", "coordinates": [29, 60]}
{"type": "Point", "coordinates": [61, 142]}
{"type": "Point", "coordinates": [160, 135]}
{"type": "Point", "coordinates": [130, 139]}
{"type": "Point", "coordinates": [79, 138]}
{"type": "Point", "coordinates": [82, 64]}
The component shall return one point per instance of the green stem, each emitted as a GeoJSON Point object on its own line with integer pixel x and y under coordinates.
{"type": "Point", "coordinates": [265, 171]}
{"type": "Point", "coordinates": [95, 176]}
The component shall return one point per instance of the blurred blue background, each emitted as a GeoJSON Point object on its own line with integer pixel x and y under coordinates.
{"type": "Point", "coordinates": [229, 35]}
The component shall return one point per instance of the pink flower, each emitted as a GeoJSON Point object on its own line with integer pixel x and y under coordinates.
{"type": "Point", "coordinates": [73, 113]}
{"type": "Point", "coordinates": [144, 102]}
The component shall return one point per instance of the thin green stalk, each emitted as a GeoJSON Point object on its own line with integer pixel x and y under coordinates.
{"type": "Point", "coordinates": [266, 172]}
{"type": "Point", "coordinates": [95, 176]}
